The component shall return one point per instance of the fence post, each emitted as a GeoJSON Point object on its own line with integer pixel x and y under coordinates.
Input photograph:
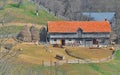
{"type": "Point", "coordinates": [67, 61]}
{"type": "Point", "coordinates": [65, 73]}
{"type": "Point", "coordinates": [55, 68]}
{"type": "Point", "coordinates": [50, 62]}
{"type": "Point", "coordinates": [42, 62]}
{"type": "Point", "coordinates": [78, 61]}
{"type": "Point", "coordinates": [51, 67]}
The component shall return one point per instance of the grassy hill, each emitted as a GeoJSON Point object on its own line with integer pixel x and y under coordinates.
{"type": "Point", "coordinates": [23, 14]}
{"type": "Point", "coordinates": [107, 68]}
{"type": "Point", "coordinates": [26, 14]}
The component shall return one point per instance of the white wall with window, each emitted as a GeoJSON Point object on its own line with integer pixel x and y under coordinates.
{"type": "Point", "coordinates": [55, 41]}
{"type": "Point", "coordinates": [69, 41]}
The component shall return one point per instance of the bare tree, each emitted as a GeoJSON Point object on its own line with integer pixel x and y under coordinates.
{"type": "Point", "coordinates": [2, 4]}
{"type": "Point", "coordinates": [56, 7]}
{"type": "Point", "coordinates": [67, 6]}
{"type": "Point", "coordinates": [19, 3]}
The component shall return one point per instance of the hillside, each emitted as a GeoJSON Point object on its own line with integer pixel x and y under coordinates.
{"type": "Point", "coordinates": [106, 68]}
{"type": "Point", "coordinates": [34, 57]}
{"type": "Point", "coordinates": [74, 9]}
{"type": "Point", "coordinates": [25, 13]}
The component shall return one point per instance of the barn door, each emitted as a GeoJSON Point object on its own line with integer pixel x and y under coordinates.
{"type": "Point", "coordinates": [95, 41]}
{"type": "Point", "coordinates": [62, 41]}
{"type": "Point", "coordinates": [89, 43]}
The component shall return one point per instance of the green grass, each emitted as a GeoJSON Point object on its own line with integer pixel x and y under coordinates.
{"type": "Point", "coordinates": [11, 29]}
{"type": "Point", "coordinates": [110, 68]}
{"type": "Point", "coordinates": [107, 68]}
{"type": "Point", "coordinates": [25, 13]}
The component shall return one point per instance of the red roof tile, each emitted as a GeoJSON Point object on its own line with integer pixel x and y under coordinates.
{"type": "Point", "coordinates": [72, 26]}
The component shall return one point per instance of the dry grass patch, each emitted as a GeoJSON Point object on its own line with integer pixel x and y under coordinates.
{"type": "Point", "coordinates": [32, 53]}
{"type": "Point", "coordinates": [11, 41]}
{"type": "Point", "coordinates": [86, 53]}
{"type": "Point", "coordinates": [23, 24]}
{"type": "Point", "coordinates": [35, 54]}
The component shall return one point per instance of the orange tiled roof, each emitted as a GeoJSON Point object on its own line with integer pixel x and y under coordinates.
{"type": "Point", "coordinates": [72, 26]}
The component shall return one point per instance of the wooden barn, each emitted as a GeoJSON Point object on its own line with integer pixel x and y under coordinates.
{"type": "Point", "coordinates": [80, 33]}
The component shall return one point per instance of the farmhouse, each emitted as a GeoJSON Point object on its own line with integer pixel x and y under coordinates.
{"type": "Point", "coordinates": [80, 33]}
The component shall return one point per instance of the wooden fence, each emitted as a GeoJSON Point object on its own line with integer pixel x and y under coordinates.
{"type": "Point", "coordinates": [80, 61]}
{"type": "Point", "coordinates": [77, 61]}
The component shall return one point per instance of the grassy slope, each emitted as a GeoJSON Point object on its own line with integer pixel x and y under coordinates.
{"type": "Point", "coordinates": [87, 53]}
{"type": "Point", "coordinates": [35, 54]}
{"type": "Point", "coordinates": [12, 29]}
{"type": "Point", "coordinates": [17, 17]}
{"type": "Point", "coordinates": [25, 13]}
{"type": "Point", "coordinates": [110, 68]}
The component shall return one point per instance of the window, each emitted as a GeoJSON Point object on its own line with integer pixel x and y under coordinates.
{"type": "Point", "coordinates": [79, 32]}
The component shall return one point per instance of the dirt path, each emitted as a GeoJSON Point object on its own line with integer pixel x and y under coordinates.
{"type": "Point", "coordinates": [22, 24]}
